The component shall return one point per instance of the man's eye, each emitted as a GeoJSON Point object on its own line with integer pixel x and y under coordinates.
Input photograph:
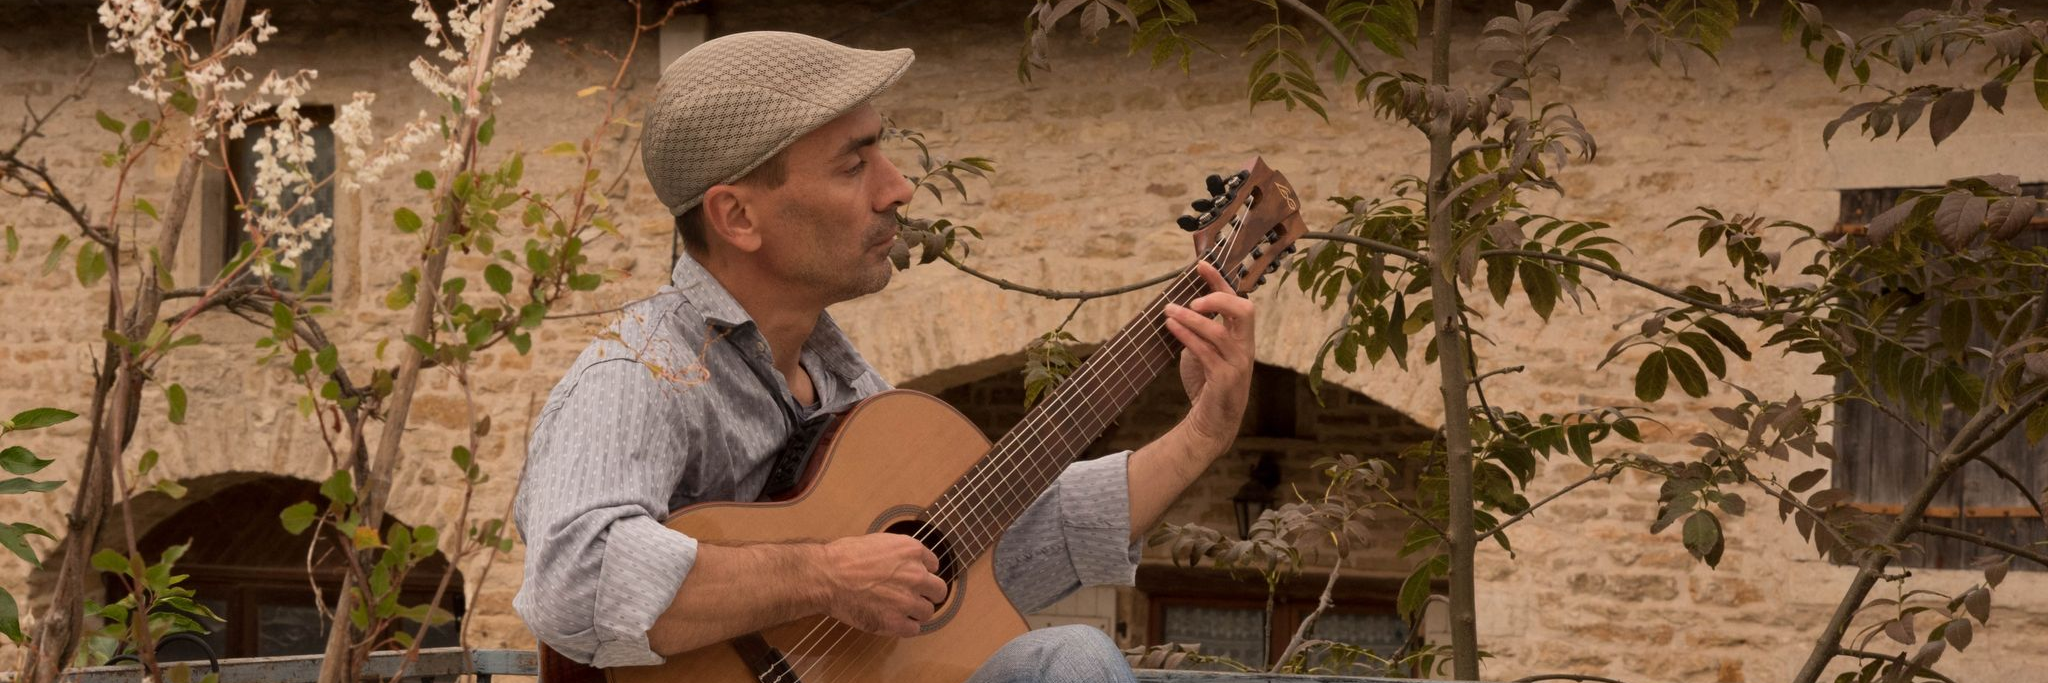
{"type": "Point", "coordinates": [857, 167]}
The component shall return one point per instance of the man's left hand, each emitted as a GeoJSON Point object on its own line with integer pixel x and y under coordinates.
{"type": "Point", "coordinates": [1216, 330]}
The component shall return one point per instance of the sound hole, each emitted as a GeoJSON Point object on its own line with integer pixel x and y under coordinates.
{"type": "Point", "coordinates": [934, 539]}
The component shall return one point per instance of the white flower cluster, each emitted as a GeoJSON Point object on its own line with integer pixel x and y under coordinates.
{"type": "Point", "coordinates": [283, 186]}
{"type": "Point", "coordinates": [457, 41]}
{"type": "Point", "coordinates": [353, 130]}
{"type": "Point", "coordinates": [154, 32]}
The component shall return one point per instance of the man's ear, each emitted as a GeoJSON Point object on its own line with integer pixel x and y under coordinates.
{"type": "Point", "coordinates": [730, 218]}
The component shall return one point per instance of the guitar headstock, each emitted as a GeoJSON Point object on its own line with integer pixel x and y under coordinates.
{"type": "Point", "coordinates": [1247, 225]}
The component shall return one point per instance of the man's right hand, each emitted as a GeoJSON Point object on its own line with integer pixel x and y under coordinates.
{"type": "Point", "coordinates": [885, 584]}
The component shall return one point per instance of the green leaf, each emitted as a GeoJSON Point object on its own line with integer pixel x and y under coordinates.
{"type": "Point", "coordinates": [10, 619]}
{"type": "Point", "coordinates": [2037, 426]}
{"type": "Point", "coordinates": [406, 220]}
{"type": "Point", "coordinates": [1652, 377]}
{"type": "Point", "coordinates": [1721, 332]}
{"type": "Point", "coordinates": [111, 124]}
{"type": "Point", "coordinates": [1690, 377]}
{"type": "Point", "coordinates": [487, 130]}
{"type": "Point", "coordinates": [423, 180]}
{"type": "Point", "coordinates": [299, 516]}
{"type": "Point", "coordinates": [145, 208]}
{"type": "Point", "coordinates": [2041, 80]}
{"type": "Point", "coordinates": [138, 134]}
{"type": "Point", "coordinates": [91, 264]}
{"type": "Point", "coordinates": [19, 460]}
{"type": "Point", "coordinates": [1710, 355]}
{"type": "Point", "coordinates": [110, 561]}
{"type": "Point", "coordinates": [13, 243]}
{"type": "Point", "coordinates": [531, 314]}
{"type": "Point", "coordinates": [327, 359]}
{"type": "Point", "coordinates": [1703, 537]}
{"type": "Point", "coordinates": [38, 418]}
{"type": "Point", "coordinates": [147, 463]}
{"type": "Point", "coordinates": [185, 102]}
{"type": "Point", "coordinates": [14, 538]}
{"type": "Point", "coordinates": [170, 488]}
{"type": "Point", "coordinates": [175, 393]}
{"type": "Point", "coordinates": [1415, 590]}
{"type": "Point", "coordinates": [498, 278]}
{"type": "Point", "coordinates": [584, 282]}
{"type": "Point", "coordinates": [56, 254]}
{"type": "Point", "coordinates": [339, 489]}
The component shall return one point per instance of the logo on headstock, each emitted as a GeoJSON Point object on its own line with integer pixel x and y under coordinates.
{"type": "Point", "coordinates": [1287, 193]}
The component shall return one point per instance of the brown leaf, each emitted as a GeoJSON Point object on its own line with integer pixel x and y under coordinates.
{"type": "Point", "coordinates": [1958, 634]}
{"type": "Point", "coordinates": [1949, 113]}
{"type": "Point", "coordinates": [2008, 216]}
{"type": "Point", "coordinates": [1901, 629]}
{"type": "Point", "coordinates": [1959, 218]}
{"type": "Point", "coordinates": [1995, 574]}
{"type": "Point", "coordinates": [1978, 602]}
{"type": "Point", "coordinates": [1094, 19]}
{"type": "Point", "coordinates": [1806, 480]}
{"type": "Point", "coordinates": [1882, 226]}
{"type": "Point", "coordinates": [2037, 363]}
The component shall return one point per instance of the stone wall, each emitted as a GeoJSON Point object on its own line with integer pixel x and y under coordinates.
{"type": "Point", "coordinates": [1095, 159]}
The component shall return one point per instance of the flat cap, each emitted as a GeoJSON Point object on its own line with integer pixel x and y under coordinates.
{"type": "Point", "coordinates": [734, 102]}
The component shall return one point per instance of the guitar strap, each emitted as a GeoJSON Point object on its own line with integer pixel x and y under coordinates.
{"type": "Point", "coordinates": [804, 432]}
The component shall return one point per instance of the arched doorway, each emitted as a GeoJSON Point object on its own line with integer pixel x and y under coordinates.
{"type": "Point", "coordinates": [245, 567]}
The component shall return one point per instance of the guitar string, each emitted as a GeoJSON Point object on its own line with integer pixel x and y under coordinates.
{"type": "Point", "coordinates": [1036, 431]}
{"type": "Point", "coordinates": [1028, 431]}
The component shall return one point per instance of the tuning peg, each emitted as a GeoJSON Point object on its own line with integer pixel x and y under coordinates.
{"type": "Point", "coordinates": [1272, 267]}
{"type": "Point", "coordinates": [1258, 250]}
{"type": "Point", "coordinates": [1204, 205]}
{"type": "Point", "coordinates": [1215, 184]}
{"type": "Point", "coordinates": [1289, 251]}
{"type": "Point", "coordinates": [1189, 223]}
{"type": "Point", "coordinates": [1261, 282]}
{"type": "Point", "coordinates": [1242, 271]}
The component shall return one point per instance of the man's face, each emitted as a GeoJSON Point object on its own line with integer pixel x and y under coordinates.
{"type": "Point", "coordinates": [830, 225]}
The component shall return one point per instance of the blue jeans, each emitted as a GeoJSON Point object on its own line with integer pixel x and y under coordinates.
{"type": "Point", "coordinates": [1064, 654]}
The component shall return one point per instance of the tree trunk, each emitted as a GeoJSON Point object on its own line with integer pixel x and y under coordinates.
{"type": "Point", "coordinates": [1450, 348]}
{"type": "Point", "coordinates": [344, 656]}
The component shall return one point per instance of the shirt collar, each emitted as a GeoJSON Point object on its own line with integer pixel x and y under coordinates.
{"type": "Point", "coordinates": [717, 306]}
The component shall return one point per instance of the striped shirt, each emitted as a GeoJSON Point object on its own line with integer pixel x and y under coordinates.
{"type": "Point", "coordinates": [670, 406]}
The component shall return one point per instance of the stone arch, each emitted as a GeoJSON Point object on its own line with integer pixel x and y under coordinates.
{"type": "Point", "coordinates": [247, 568]}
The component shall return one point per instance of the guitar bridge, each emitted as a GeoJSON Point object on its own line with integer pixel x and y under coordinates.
{"type": "Point", "coordinates": [767, 663]}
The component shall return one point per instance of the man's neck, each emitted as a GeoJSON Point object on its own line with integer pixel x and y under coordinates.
{"type": "Point", "coordinates": [780, 312]}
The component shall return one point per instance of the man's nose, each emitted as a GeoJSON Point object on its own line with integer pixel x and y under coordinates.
{"type": "Point", "coordinates": [896, 189]}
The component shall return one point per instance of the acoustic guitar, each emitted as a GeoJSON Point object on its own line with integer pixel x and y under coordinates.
{"type": "Point", "coordinates": [905, 462]}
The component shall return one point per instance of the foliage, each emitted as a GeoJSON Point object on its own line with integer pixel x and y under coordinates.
{"type": "Point", "coordinates": [1900, 311]}
{"type": "Point", "coordinates": [19, 460]}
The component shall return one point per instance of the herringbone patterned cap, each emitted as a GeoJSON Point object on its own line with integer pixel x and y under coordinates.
{"type": "Point", "coordinates": [730, 104]}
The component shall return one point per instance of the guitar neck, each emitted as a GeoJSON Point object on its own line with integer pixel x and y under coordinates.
{"type": "Point", "coordinates": [1025, 461]}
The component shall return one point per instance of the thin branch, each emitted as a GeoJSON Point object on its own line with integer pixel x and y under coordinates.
{"type": "Point", "coordinates": [1542, 41]}
{"type": "Point", "coordinates": [1901, 659]}
{"type": "Point", "coordinates": [1374, 245]}
{"type": "Point", "coordinates": [1994, 544]}
{"type": "Point", "coordinates": [2008, 476]}
{"type": "Point", "coordinates": [1060, 294]}
{"type": "Point", "coordinates": [1589, 478]}
{"type": "Point", "coordinates": [1501, 371]}
{"type": "Point", "coordinates": [1337, 36]}
{"type": "Point", "coordinates": [1604, 269]}
{"type": "Point", "coordinates": [1566, 677]}
{"type": "Point", "coordinates": [1819, 519]}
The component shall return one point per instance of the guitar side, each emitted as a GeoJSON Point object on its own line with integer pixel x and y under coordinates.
{"type": "Point", "coordinates": [889, 457]}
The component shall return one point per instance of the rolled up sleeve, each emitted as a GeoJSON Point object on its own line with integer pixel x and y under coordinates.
{"type": "Point", "coordinates": [1078, 533]}
{"type": "Point", "coordinates": [600, 567]}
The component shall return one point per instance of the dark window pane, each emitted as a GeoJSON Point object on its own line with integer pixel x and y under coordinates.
{"type": "Point", "coordinates": [216, 638]}
{"type": "Point", "coordinates": [1380, 633]}
{"type": "Point", "coordinates": [1234, 632]}
{"type": "Point", "coordinates": [293, 628]}
{"type": "Point", "coordinates": [242, 168]}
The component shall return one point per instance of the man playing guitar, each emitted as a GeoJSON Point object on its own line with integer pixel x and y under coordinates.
{"type": "Point", "coordinates": [764, 147]}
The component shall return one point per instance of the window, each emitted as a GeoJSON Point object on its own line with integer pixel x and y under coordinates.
{"type": "Point", "coordinates": [1227, 616]}
{"type": "Point", "coordinates": [244, 566]}
{"type": "Point", "coordinates": [1884, 461]}
{"type": "Point", "coordinates": [241, 164]}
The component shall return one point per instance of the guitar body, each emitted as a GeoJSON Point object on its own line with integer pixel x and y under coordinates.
{"type": "Point", "coordinates": [886, 460]}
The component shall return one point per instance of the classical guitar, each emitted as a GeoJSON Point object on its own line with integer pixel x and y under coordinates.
{"type": "Point", "coordinates": [963, 491]}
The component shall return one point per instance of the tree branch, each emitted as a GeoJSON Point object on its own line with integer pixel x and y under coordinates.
{"type": "Point", "coordinates": [2008, 476]}
{"type": "Point", "coordinates": [1059, 294]}
{"type": "Point", "coordinates": [1589, 478]}
{"type": "Point", "coordinates": [1604, 269]}
{"type": "Point", "coordinates": [1901, 659]}
{"type": "Point", "coordinates": [1374, 245]}
{"type": "Point", "coordinates": [1978, 539]}
{"type": "Point", "coordinates": [1342, 41]}
{"type": "Point", "coordinates": [1566, 677]}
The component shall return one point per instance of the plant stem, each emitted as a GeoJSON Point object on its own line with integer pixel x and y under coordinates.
{"type": "Point", "coordinates": [1450, 345]}
{"type": "Point", "coordinates": [1308, 623]}
{"type": "Point", "coordinates": [1060, 294]}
